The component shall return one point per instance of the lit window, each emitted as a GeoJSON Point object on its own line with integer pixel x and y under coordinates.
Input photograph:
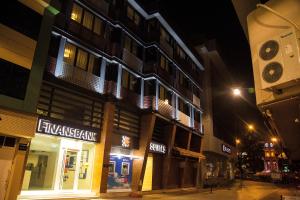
{"type": "Point", "coordinates": [76, 13]}
{"type": "Point", "coordinates": [81, 59]}
{"type": "Point", "coordinates": [69, 53]}
{"type": "Point", "coordinates": [98, 26]}
{"type": "Point", "coordinates": [88, 20]}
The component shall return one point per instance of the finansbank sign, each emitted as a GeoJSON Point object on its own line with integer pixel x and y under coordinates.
{"type": "Point", "coordinates": [58, 128]}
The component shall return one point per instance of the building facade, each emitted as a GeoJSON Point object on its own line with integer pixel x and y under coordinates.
{"type": "Point", "coordinates": [110, 102]}
{"type": "Point", "coordinates": [218, 169]}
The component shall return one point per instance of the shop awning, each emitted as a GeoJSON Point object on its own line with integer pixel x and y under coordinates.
{"type": "Point", "coordinates": [185, 152]}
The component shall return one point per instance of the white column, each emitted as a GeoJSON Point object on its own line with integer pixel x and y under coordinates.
{"type": "Point", "coordinates": [60, 57]}
{"type": "Point", "coordinates": [192, 116]}
{"type": "Point", "coordinates": [201, 123]}
{"type": "Point", "coordinates": [176, 108]}
{"type": "Point", "coordinates": [119, 82]}
{"type": "Point", "coordinates": [142, 94]}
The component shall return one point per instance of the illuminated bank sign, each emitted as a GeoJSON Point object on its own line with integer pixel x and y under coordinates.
{"type": "Point", "coordinates": [226, 149]}
{"type": "Point", "coordinates": [55, 127]}
{"type": "Point", "coordinates": [157, 148]}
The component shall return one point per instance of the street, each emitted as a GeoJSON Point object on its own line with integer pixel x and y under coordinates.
{"type": "Point", "coordinates": [250, 191]}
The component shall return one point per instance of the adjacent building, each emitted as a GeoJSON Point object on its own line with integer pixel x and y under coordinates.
{"type": "Point", "coordinates": [98, 96]}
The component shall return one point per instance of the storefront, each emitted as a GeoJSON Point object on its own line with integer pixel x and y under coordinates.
{"type": "Point", "coordinates": [121, 163]}
{"type": "Point", "coordinates": [219, 167]}
{"type": "Point", "coordinates": [60, 159]}
{"type": "Point", "coordinates": [154, 168]}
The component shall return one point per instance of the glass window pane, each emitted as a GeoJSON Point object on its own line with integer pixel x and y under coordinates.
{"type": "Point", "coordinates": [69, 53]}
{"type": "Point", "coordinates": [76, 13]}
{"type": "Point", "coordinates": [88, 20]}
{"type": "Point", "coordinates": [82, 59]}
{"type": "Point", "coordinates": [92, 61]}
{"type": "Point", "coordinates": [125, 78]}
{"type": "Point", "coordinates": [86, 166]}
{"type": "Point", "coordinates": [98, 26]}
{"type": "Point", "coordinates": [162, 62]}
{"type": "Point", "coordinates": [130, 12]}
{"type": "Point", "coordinates": [127, 43]}
{"type": "Point", "coordinates": [161, 92]}
{"type": "Point", "coordinates": [137, 19]}
{"type": "Point", "coordinates": [133, 82]}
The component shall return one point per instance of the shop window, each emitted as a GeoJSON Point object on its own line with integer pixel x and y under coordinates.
{"type": "Point", "coordinates": [133, 15]}
{"type": "Point", "coordinates": [111, 167]}
{"type": "Point", "coordinates": [42, 173]}
{"type": "Point", "coordinates": [76, 14]}
{"type": "Point", "coordinates": [125, 168]}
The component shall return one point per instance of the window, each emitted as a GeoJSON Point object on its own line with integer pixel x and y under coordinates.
{"type": "Point", "coordinates": [164, 63]}
{"type": "Point", "coordinates": [82, 59]}
{"type": "Point", "coordinates": [98, 26]}
{"type": "Point", "coordinates": [129, 81]}
{"type": "Point", "coordinates": [134, 16]}
{"type": "Point", "coordinates": [87, 19]}
{"type": "Point", "coordinates": [125, 168]}
{"type": "Point", "coordinates": [132, 46]}
{"type": "Point", "coordinates": [183, 80]}
{"type": "Point", "coordinates": [165, 95]}
{"type": "Point", "coordinates": [76, 14]}
{"type": "Point", "coordinates": [166, 36]}
{"type": "Point", "coordinates": [180, 52]}
{"type": "Point", "coordinates": [183, 107]}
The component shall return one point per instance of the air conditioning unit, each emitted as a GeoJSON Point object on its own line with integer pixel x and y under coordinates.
{"type": "Point", "coordinates": [279, 60]}
{"type": "Point", "coordinates": [273, 30]}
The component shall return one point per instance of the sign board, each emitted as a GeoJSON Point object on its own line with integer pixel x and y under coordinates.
{"type": "Point", "coordinates": [226, 149]}
{"type": "Point", "coordinates": [58, 128]}
{"type": "Point", "coordinates": [155, 147]}
{"type": "Point", "coordinates": [125, 141]}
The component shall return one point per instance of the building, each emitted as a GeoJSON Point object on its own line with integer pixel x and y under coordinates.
{"type": "Point", "coordinates": [219, 120]}
{"type": "Point", "coordinates": [111, 97]}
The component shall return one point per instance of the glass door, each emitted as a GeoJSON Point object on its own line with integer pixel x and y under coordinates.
{"type": "Point", "coordinates": [70, 169]}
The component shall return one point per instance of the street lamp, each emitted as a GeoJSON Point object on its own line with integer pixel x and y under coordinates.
{"type": "Point", "coordinates": [250, 127]}
{"type": "Point", "coordinates": [274, 139]}
{"type": "Point", "coordinates": [237, 141]}
{"type": "Point", "coordinates": [236, 92]}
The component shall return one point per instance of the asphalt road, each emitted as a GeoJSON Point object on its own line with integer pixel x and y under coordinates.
{"type": "Point", "coordinates": [250, 191]}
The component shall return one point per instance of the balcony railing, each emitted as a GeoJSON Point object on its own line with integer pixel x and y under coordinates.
{"type": "Point", "coordinates": [132, 61]}
{"type": "Point", "coordinates": [164, 108]}
{"type": "Point", "coordinates": [131, 97]}
{"type": "Point", "coordinates": [75, 75]}
{"type": "Point", "coordinates": [154, 68]}
{"type": "Point", "coordinates": [183, 119]}
{"type": "Point", "coordinates": [168, 48]}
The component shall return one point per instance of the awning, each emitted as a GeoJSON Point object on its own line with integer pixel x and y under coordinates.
{"type": "Point", "coordinates": [185, 152]}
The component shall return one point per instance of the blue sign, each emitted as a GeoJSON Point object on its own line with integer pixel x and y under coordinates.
{"type": "Point", "coordinates": [119, 172]}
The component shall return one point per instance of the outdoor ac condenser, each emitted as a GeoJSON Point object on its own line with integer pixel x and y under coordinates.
{"type": "Point", "coordinates": [274, 38]}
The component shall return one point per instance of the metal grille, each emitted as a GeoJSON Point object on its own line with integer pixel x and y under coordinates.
{"type": "Point", "coordinates": [126, 122]}
{"type": "Point", "coordinates": [61, 103]}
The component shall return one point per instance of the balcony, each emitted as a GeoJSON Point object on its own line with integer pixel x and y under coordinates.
{"type": "Point", "coordinates": [75, 75]}
{"type": "Point", "coordinates": [155, 69]}
{"type": "Point", "coordinates": [100, 5]}
{"type": "Point", "coordinates": [164, 108]}
{"type": "Point", "coordinates": [81, 32]}
{"type": "Point", "coordinates": [183, 118]}
{"type": "Point", "coordinates": [130, 97]}
{"type": "Point", "coordinates": [132, 61]}
{"type": "Point", "coordinates": [185, 92]}
{"type": "Point", "coordinates": [166, 47]}
{"type": "Point", "coordinates": [196, 101]}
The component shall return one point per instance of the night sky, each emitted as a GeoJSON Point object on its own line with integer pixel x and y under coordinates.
{"type": "Point", "coordinates": [198, 21]}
